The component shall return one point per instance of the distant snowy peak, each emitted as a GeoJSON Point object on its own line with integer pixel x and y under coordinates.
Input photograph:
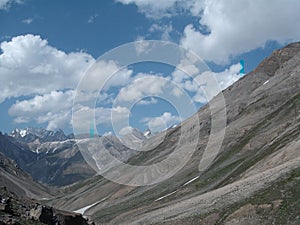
{"type": "Point", "coordinates": [38, 134]}
{"type": "Point", "coordinates": [23, 133]}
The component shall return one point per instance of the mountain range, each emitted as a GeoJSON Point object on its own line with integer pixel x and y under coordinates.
{"type": "Point", "coordinates": [58, 154]}
{"type": "Point", "coordinates": [253, 179]}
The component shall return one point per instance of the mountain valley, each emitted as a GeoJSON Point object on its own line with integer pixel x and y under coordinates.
{"type": "Point", "coordinates": [254, 178]}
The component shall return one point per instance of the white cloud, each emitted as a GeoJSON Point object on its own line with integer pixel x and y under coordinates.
{"type": "Point", "coordinates": [5, 4]}
{"type": "Point", "coordinates": [241, 26]}
{"type": "Point", "coordinates": [229, 76]}
{"type": "Point", "coordinates": [209, 84]}
{"type": "Point", "coordinates": [204, 85]}
{"type": "Point", "coordinates": [150, 101]}
{"type": "Point", "coordinates": [146, 85]}
{"type": "Point", "coordinates": [54, 109]}
{"type": "Point", "coordinates": [109, 133]}
{"type": "Point", "coordinates": [27, 21]}
{"type": "Point", "coordinates": [177, 92]}
{"type": "Point", "coordinates": [141, 46]}
{"type": "Point", "coordinates": [236, 27]}
{"type": "Point", "coordinates": [121, 78]}
{"type": "Point", "coordinates": [103, 116]}
{"type": "Point", "coordinates": [105, 74]}
{"type": "Point", "coordinates": [29, 65]}
{"type": "Point", "coordinates": [161, 122]}
{"type": "Point", "coordinates": [126, 130]}
{"type": "Point", "coordinates": [152, 8]}
{"type": "Point", "coordinates": [165, 30]}
{"type": "Point", "coordinates": [184, 70]}
{"type": "Point", "coordinates": [155, 9]}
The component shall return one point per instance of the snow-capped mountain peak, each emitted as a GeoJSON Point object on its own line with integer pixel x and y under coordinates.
{"type": "Point", "coordinates": [23, 133]}
{"type": "Point", "coordinates": [38, 134]}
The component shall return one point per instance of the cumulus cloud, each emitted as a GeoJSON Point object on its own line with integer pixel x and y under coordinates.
{"type": "Point", "coordinates": [47, 77]}
{"type": "Point", "coordinates": [208, 84]}
{"type": "Point", "coordinates": [152, 8]}
{"type": "Point", "coordinates": [161, 122]}
{"type": "Point", "coordinates": [185, 69]}
{"type": "Point", "coordinates": [150, 101]}
{"type": "Point", "coordinates": [165, 30]}
{"type": "Point", "coordinates": [126, 130]}
{"type": "Point", "coordinates": [121, 78]}
{"type": "Point", "coordinates": [141, 46]}
{"type": "Point", "coordinates": [234, 27]}
{"type": "Point", "coordinates": [54, 109]}
{"type": "Point", "coordinates": [146, 85]}
{"type": "Point", "coordinates": [105, 75]}
{"type": "Point", "coordinates": [237, 27]}
{"type": "Point", "coordinates": [103, 116]}
{"type": "Point", "coordinates": [29, 65]}
{"type": "Point", "coordinates": [5, 4]}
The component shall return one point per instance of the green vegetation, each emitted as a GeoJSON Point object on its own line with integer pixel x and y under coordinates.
{"type": "Point", "coordinates": [230, 163]}
{"type": "Point", "coordinates": [286, 190]}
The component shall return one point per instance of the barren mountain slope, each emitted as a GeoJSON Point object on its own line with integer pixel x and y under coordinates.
{"type": "Point", "coordinates": [19, 182]}
{"type": "Point", "coordinates": [259, 156]}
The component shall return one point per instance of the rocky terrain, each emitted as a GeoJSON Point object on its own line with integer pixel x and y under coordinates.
{"type": "Point", "coordinates": [19, 182]}
{"type": "Point", "coordinates": [17, 207]}
{"type": "Point", "coordinates": [16, 210]}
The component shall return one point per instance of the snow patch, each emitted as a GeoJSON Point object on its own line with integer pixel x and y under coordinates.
{"type": "Point", "coordinates": [147, 133]}
{"type": "Point", "coordinates": [266, 82]}
{"type": "Point", "coordinates": [165, 196]}
{"type": "Point", "coordinates": [96, 161]}
{"type": "Point", "coordinates": [23, 133]}
{"type": "Point", "coordinates": [82, 210]}
{"type": "Point", "coordinates": [190, 181]}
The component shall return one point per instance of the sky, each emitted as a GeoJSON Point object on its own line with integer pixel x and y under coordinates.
{"type": "Point", "coordinates": [47, 47]}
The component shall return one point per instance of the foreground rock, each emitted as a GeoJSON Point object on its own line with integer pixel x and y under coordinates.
{"type": "Point", "coordinates": [15, 210]}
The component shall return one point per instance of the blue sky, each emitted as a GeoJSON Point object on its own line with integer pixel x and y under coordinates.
{"type": "Point", "coordinates": [46, 46]}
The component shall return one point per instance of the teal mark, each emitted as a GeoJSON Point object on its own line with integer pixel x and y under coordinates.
{"type": "Point", "coordinates": [242, 70]}
{"type": "Point", "coordinates": [92, 129]}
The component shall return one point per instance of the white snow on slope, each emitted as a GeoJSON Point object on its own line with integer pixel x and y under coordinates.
{"type": "Point", "coordinates": [165, 196]}
{"type": "Point", "coordinates": [266, 82]}
{"type": "Point", "coordinates": [82, 210]}
{"type": "Point", "coordinates": [190, 181]}
{"type": "Point", "coordinates": [23, 133]}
